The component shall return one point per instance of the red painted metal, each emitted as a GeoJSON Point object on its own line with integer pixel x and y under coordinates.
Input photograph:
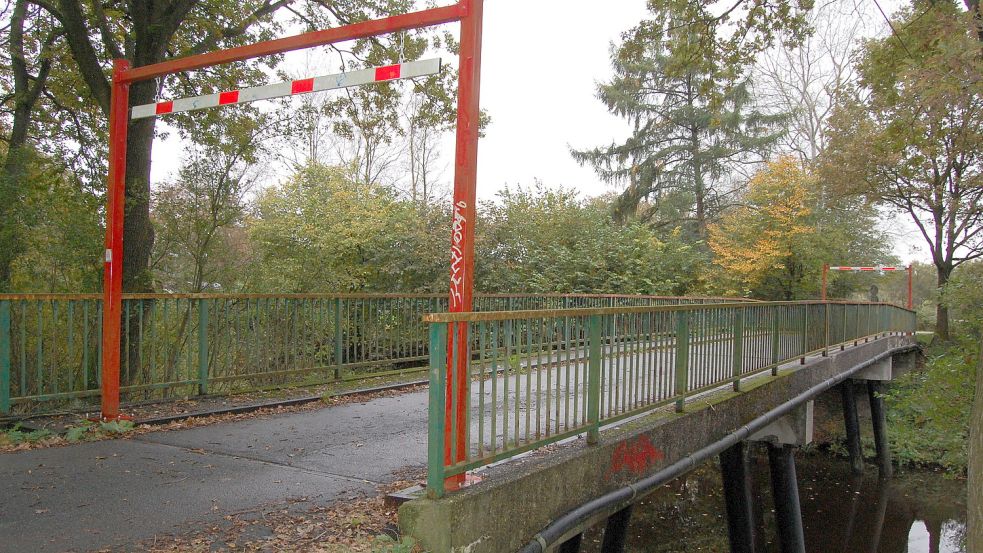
{"type": "Point", "coordinates": [911, 298]}
{"type": "Point", "coordinates": [113, 268]}
{"type": "Point", "coordinates": [462, 232]}
{"type": "Point", "coordinates": [825, 276]}
{"type": "Point", "coordinates": [365, 29]}
{"type": "Point", "coordinates": [469, 12]}
{"type": "Point", "coordinates": [387, 73]}
{"type": "Point", "coordinates": [301, 86]}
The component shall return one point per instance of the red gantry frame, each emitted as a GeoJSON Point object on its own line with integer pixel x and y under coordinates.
{"type": "Point", "coordinates": [910, 270]}
{"type": "Point", "coordinates": [469, 13]}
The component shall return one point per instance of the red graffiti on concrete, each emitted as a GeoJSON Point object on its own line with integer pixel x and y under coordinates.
{"type": "Point", "coordinates": [635, 456]}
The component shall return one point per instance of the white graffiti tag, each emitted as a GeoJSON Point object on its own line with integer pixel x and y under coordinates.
{"type": "Point", "coordinates": [458, 231]}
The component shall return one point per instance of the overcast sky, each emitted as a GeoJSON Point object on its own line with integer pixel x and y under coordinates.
{"type": "Point", "coordinates": [541, 62]}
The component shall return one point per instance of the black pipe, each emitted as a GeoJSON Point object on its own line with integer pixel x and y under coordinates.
{"type": "Point", "coordinates": [616, 531]}
{"type": "Point", "coordinates": [737, 497]}
{"type": "Point", "coordinates": [785, 492]}
{"type": "Point", "coordinates": [852, 424]}
{"type": "Point", "coordinates": [879, 419]}
{"type": "Point", "coordinates": [623, 496]}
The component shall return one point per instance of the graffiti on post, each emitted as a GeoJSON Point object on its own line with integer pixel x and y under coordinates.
{"type": "Point", "coordinates": [458, 232]}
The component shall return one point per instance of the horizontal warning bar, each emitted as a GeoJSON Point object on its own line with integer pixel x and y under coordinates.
{"type": "Point", "coordinates": [371, 75]}
{"type": "Point", "coordinates": [867, 269]}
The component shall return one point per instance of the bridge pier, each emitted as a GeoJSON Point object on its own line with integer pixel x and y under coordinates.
{"type": "Point", "coordinates": [785, 492]}
{"type": "Point", "coordinates": [737, 497]}
{"type": "Point", "coordinates": [616, 531]}
{"type": "Point", "coordinates": [882, 371]}
{"type": "Point", "coordinates": [783, 436]}
{"type": "Point", "coordinates": [879, 419]}
{"type": "Point", "coordinates": [852, 424]}
{"type": "Point", "coordinates": [572, 545]}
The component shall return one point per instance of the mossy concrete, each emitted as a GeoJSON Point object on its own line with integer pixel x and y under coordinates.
{"type": "Point", "coordinates": [516, 500]}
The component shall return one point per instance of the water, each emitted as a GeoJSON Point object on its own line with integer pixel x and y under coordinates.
{"type": "Point", "coordinates": [915, 512]}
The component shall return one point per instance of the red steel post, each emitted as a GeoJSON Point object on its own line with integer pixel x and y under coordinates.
{"type": "Point", "coordinates": [825, 273]}
{"type": "Point", "coordinates": [911, 298]}
{"type": "Point", "coordinates": [363, 29]}
{"type": "Point", "coordinates": [113, 261]}
{"type": "Point", "coordinates": [462, 233]}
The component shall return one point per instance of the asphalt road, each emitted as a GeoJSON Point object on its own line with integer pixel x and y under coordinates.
{"type": "Point", "coordinates": [120, 492]}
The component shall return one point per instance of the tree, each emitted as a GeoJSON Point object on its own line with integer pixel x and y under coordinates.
{"type": "Point", "coordinates": [542, 240]}
{"type": "Point", "coordinates": [912, 137]}
{"type": "Point", "coordinates": [199, 215]}
{"type": "Point", "coordinates": [693, 125]}
{"type": "Point", "coordinates": [805, 81]}
{"type": "Point", "coordinates": [773, 244]}
{"type": "Point", "coordinates": [25, 49]}
{"type": "Point", "coordinates": [149, 31]}
{"type": "Point", "coordinates": [322, 231]}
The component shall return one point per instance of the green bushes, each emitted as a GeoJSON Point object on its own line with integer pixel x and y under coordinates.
{"type": "Point", "coordinates": [928, 411]}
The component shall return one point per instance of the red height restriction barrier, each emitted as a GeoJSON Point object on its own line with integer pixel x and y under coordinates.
{"type": "Point", "coordinates": [468, 12]}
{"type": "Point", "coordinates": [868, 269]}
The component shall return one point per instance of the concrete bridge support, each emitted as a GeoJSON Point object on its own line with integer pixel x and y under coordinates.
{"type": "Point", "coordinates": [737, 497]}
{"type": "Point", "coordinates": [874, 376]}
{"type": "Point", "coordinates": [783, 436]}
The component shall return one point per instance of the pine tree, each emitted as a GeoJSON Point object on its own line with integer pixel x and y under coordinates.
{"type": "Point", "coordinates": [694, 126]}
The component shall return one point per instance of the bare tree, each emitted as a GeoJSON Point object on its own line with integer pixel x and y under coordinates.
{"type": "Point", "coordinates": [805, 81]}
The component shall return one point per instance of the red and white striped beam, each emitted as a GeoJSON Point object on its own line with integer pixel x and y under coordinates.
{"type": "Point", "coordinates": [371, 75]}
{"type": "Point", "coordinates": [878, 268]}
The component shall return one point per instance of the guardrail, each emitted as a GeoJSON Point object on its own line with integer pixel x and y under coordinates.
{"type": "Point", "coordinates": [536, 377]}
{"type": "Point", "coordinates": [178, 345]}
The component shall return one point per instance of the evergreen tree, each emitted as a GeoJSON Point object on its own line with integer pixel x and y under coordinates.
{"type": "Point", "coordinates": [693, 121]}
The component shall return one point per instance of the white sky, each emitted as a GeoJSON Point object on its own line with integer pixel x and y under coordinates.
{"type": "Point", "coordinates": [541, 62]}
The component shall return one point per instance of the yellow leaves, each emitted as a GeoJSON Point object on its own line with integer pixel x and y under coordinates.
{"type": "Point", "coordinates": [757, 237]}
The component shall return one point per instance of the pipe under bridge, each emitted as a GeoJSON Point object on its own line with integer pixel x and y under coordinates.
{"type": "Point", "coordinates": [564, 419]}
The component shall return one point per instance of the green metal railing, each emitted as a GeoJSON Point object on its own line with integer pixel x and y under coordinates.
{"type": "Point", "coordinates": [178, 345]}
{"type": "Point", "coordinates": [536, 377]}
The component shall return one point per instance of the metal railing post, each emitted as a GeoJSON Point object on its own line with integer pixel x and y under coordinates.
{"type": "Point", "coordinates": [436, 410]}
{"type": "Point", "coordinates": [826, 324]}
{"type": "Point", "coordinates": [595, 348]}
{"type": "Point", "coordinates": [4, 357]}
{"type": "Point", "coordinates": [202, 346]}
{"type": "Point", "coordinates": [337, 339]}
{"type": "Point", "coordinates": [738, 337]}
{"type": "Point", "coordinates": [805, 334]}
{"type": "Point", "coordinates": [774, 341]}
{"type": "Point", "coordinates": [682, 358]}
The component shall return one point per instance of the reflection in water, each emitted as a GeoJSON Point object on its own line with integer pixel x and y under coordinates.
{"type": "Point", "coordinates": [916, 512]}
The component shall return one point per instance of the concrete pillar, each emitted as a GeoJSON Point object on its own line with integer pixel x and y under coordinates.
{"type": "Point", "coordinates": [852, 424]}
{"type": "Point", "coordinates": [785, 491]}
{"type": "Point", "coordinates": [879, 420]}
{"type": "Point", "coordinates": [737, 496]}
{"type": "Point", "coordinates": [616, 531]}
{"type": "Point", "coordinates": [795, 428]}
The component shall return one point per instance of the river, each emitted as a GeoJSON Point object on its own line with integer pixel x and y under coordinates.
{"type": "Point", "coordinates": [915, 512]}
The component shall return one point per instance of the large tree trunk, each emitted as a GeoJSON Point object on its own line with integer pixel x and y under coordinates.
{"type": "Point", "coordinates": [941, 310]}
{"type": "Point", "coordinates": [138, 232]}
{"type": "Point", "coordinates": [975, 481]}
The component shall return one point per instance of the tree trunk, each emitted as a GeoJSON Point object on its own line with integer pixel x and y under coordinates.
{"type": "Point", "coordinates": [941, 310]}
{"type": "Point", "coordinates": [138, 232]}
{"type": "Point", "coordinates": [975, 481]}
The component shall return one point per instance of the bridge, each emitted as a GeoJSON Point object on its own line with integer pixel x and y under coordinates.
{"type": "Point", "coordinates": [568, 401]}
{"type": "Point", "coordinates": [655, 391]}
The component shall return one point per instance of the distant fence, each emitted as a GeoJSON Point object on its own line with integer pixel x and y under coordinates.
{"type": "Point", "coordinates": [178, 345]}
{"type": "Point", "coordinates": [540, 376]}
